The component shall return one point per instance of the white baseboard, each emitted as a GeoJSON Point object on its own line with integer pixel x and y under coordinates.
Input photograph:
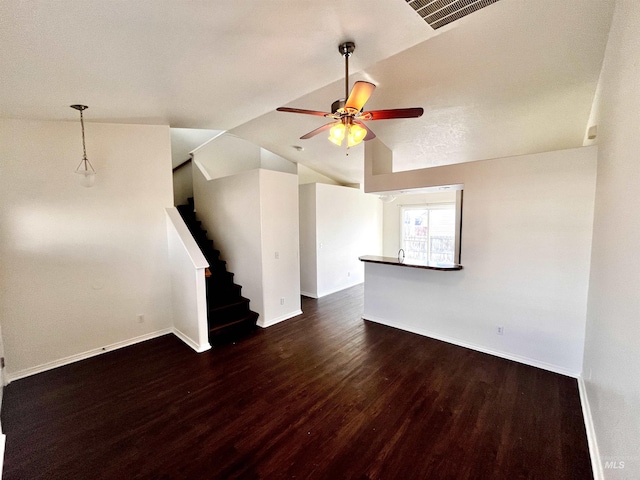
{"type": "Point", "coordinates": [3, 439]}
{"type": "Point", "coordinates": [508, 356]}
{"type": "Point", "coordinates": [279, 319]}
{"type": "Point", "coordinates": [84, 355]}
{"type": "Point", "coordinates": [336, 290]}
{"type": "Point", "coordinates": [192, 343]}
{"type": "Point", "coordinates": [594, 451]}
{"type": "Point", "coordinates": [307, 294]}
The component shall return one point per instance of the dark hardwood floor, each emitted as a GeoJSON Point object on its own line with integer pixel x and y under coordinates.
{"type": "Point", "coordinates": [323, 396]}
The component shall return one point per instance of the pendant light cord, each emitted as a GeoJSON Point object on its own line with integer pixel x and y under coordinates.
{"type": "Point", "coordinates": [84, 148]}
{"type": "Point", "coordinates": [85, 166]}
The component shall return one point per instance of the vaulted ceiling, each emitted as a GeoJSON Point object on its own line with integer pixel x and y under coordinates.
{"type": "Point", "coordinates": [516, 77]}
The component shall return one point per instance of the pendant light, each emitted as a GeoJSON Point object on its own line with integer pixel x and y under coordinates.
{"type": "Point", "coordinates": [85, 169]}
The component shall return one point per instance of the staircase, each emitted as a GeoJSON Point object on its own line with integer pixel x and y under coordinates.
{"type": "Point", "coordinates": [228, 311]}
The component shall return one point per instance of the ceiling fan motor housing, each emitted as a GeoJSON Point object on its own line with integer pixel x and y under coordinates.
{"type": "Point", "coordinates": [338, 105]}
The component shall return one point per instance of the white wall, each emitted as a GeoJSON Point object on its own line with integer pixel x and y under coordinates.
{"type": "Point", "coordinates": [271, 161]}
{"type": "Point", "coordinates": [391, 216]}
{"type": "Point", "coordinates": [185, 140]}
{"type": "Point", "coordinates": [250, 216]}
{"type": "Point", "coordinates": [348, 224]}
{"type": "Point", "coordinates": [612, 347]}
{"type": "Point", "coordinates": [526, 240]}
{"type": "Point", "coordinates": [227, 155]}
{"type": "Point", "coordinates": [229, 209]}
{"type": "Point", "coordinates": [307, 175]}
{"type": "Point", "coordinates": [80, 264]}
{"type": "Point", "coordinates": [280, 246]}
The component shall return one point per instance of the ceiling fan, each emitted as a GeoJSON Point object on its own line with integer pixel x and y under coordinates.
{"type": "Point", "coordinates": [347, 112]}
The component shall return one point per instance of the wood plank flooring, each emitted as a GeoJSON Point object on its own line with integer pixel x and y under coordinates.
{"type": "Point", "coordinates": [323, 396]}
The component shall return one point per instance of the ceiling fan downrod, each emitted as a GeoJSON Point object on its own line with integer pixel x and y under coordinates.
{"type": "Point", "coordinates": [346, 49]}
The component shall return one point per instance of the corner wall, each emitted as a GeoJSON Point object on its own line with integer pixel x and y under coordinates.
{"type": "Point", "coordinates": [308, 249]}
{"type": "Point", "coordinates": [80, 264]}
{"type": "Point", "coordinates": [338, 225]}
{"type": "Point", "coordinates": [612, 347]}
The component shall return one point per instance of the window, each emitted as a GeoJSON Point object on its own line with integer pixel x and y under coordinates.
{"type": "Point", "coordinates": [428, 232]}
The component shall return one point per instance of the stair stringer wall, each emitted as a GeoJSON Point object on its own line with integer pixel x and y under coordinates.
{"type": "Point", "coordinates": [252, 218]}
{"type": "Point", "coordinates": [229, 209]}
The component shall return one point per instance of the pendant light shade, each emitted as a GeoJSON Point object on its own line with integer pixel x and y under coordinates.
{"type": "Point", "coordinates": [356, 134]}
{"type": "Point", "coordinates": [337, 132]}
{"type": "Point", "coordinates": [85, 169]}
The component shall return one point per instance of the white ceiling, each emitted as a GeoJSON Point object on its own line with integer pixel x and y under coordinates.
{"type": "Point", "coordinates": [516, 77]}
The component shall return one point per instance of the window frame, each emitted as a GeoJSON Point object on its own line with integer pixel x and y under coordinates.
{"type": "Point", "coordinates": [432, 206]}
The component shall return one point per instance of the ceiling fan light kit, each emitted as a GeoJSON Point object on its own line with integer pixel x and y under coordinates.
{"type": "Point", "coordinates": [347, 112]}
{"type": "Point", "coordinates": [352, 131]}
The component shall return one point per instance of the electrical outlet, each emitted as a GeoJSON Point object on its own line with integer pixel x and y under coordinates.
{"type": "Point", "coordinates": [140, 318]}
{"type": "Point", "coordinates": [277, 255]}
{"type": "Point", "coordinates": [500, 330]}
{"type": "Point", "coordinates": [282, 301]}
{"type": "Point", "coordinates": [348, 274]}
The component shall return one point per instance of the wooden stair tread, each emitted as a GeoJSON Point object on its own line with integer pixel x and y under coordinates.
{"type": "Point", "coordinates": [235, 303]}
{"type": "Point", "coordinates": [252, 317]}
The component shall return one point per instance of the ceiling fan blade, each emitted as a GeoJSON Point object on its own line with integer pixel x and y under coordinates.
{"type": "Point", "coordinates": [370, 135]}
{"type": "Point", "coordinates": [359, 95]}
{"type": "Point", "coordinates": [300, 110]}
{"type": "Point", "coordinates": [318, 130]}
{"type": "Point", "coordinates": [393, 113]}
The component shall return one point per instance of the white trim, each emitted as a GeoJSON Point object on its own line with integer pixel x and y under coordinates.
{"type": "Point", "coordinates": [3, 439]}
{"type": "Point", "coordinates": [199, 147]}
{"type": "Point", "coordinates": [84, 355]}
{"type": "Point", "coordinates": [594, 451]}
{"type": "Point", "coordinates": [192, 343]}
{"type": "Point", "coordinates": [279, 319]}
{"type": "Point", "coordinates": [203, 316]}
{"type": "Point", "coordinates": [509, 356]}
{"type": "Point", "coordinates": [307, 294]}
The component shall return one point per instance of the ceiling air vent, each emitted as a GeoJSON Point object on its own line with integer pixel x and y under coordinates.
{"type": "Point", "coordinates": [439, 13]}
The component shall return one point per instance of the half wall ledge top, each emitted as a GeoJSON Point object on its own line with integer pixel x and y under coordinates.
{"type": "Point", "coordinates": [447, 267]}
